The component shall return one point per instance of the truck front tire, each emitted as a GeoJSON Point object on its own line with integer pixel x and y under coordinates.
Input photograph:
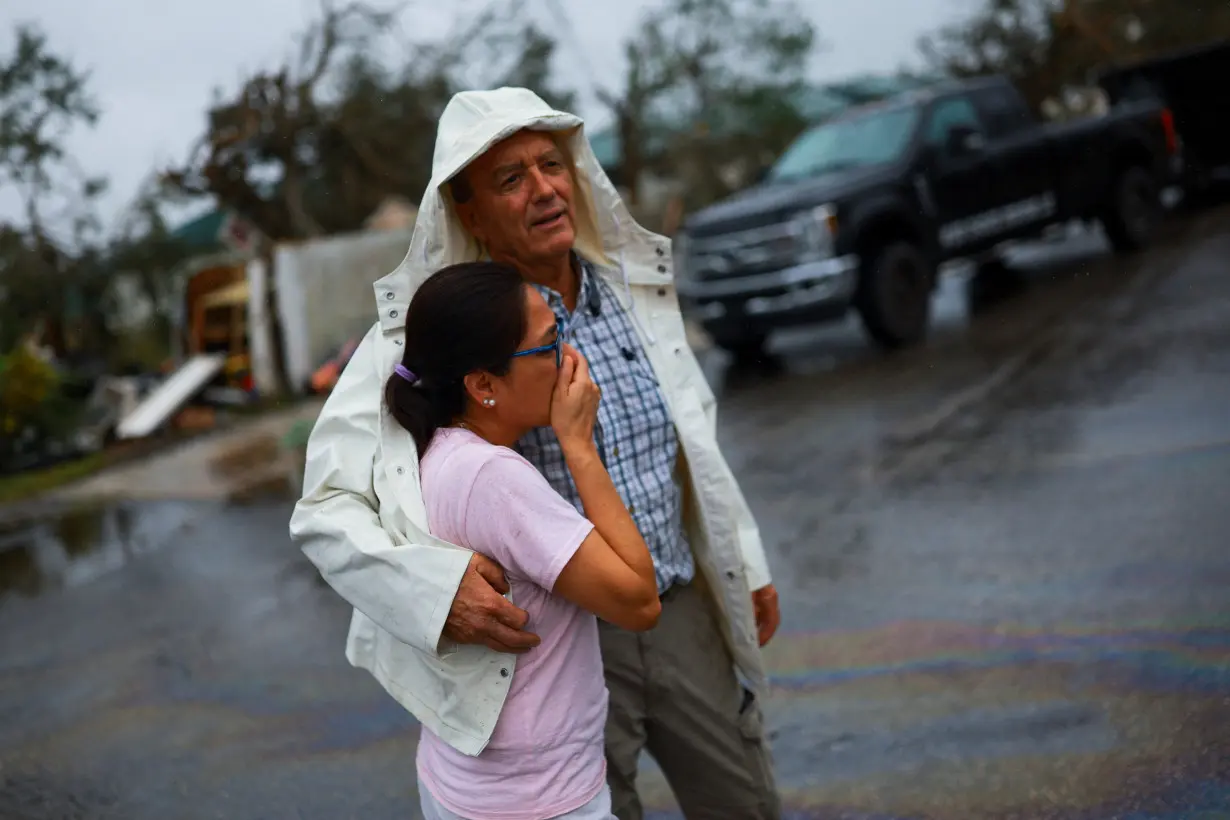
{"type": "Point", "coordinates": [894, 295]}
{"type": "Point", "coordinates": [1134, 212]}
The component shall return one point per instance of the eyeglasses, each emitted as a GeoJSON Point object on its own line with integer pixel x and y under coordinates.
{"type": "Point", "coordinates": [557, 346]}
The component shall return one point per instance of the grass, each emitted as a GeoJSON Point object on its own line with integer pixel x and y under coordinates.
{"type": "Point", "coordinates": [22, 486]}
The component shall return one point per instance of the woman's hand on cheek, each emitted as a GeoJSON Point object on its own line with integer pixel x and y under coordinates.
{"type": "Point", "coordinates": [574, 405]}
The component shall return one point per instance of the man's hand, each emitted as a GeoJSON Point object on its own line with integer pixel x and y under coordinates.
{"type": "Point", "coordinates": [768, 615]}
{"type": "Point", "coordinates": [481, 615]}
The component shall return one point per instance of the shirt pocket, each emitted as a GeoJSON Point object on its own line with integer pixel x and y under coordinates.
{"type": "Point", "coordinates": [636, 377]}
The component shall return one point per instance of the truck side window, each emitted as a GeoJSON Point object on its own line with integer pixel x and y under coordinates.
{"type": "Point", "coordinates": [956, 111]}
{"type": "Point", "coordinates": [1003, 110]}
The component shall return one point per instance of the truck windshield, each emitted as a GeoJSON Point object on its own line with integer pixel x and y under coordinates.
{"type": "Point", "coordinates": [873, 138]}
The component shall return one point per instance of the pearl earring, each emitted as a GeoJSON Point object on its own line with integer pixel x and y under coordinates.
{"type": "Point", "coordinates": [488, 402]}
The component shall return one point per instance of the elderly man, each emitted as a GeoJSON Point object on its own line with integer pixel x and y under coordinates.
{"type": "Point", "coordinates": [518, 182]}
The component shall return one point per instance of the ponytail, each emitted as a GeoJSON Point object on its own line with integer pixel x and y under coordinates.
{"type": "Point", "coordinates": [411, 407]}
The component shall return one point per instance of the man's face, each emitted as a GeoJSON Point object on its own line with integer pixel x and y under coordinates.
{"type": "Point", "coordinates": [521, 209]}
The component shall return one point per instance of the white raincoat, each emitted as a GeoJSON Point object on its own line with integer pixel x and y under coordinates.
{"type": "Point", "coordinates": [361, 520]}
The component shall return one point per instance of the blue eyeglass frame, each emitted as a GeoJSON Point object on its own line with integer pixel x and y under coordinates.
{"type": "Point", "coordinates": [557, 346]}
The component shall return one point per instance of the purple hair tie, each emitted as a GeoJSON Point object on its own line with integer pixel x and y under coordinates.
{"type": "Point", "coordinates": [406, 373]}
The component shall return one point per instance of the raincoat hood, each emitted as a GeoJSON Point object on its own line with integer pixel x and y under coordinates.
{"type": "Point", "coordinates": [472, 122]}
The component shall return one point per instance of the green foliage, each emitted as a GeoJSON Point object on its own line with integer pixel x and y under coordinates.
{"type": "Point", "coordinates": [31, 484]}
{"type": "Point", "coordinates": [26, 383]}
{"type": "Point", "coordinates": [47, 275]}
{"type": "Point", "coordinates": [41, 97]}
{"type": "Point", "coordinates": [33, 407]}
{"type": "Point", "coordinates": [147, 251]}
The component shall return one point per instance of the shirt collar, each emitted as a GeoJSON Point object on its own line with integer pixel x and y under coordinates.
{"type": "Point", "coordinates": [588, 283]}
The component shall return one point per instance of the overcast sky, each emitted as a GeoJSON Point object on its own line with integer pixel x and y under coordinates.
{"type": "Point", "coordinates": [154, 63]}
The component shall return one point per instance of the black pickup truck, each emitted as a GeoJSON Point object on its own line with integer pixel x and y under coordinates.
{"type": "Point", "coordinates": [860, 211]}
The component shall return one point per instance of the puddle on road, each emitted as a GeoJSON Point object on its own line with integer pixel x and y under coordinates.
{"type": "Point", "coordinates": [70, 547]}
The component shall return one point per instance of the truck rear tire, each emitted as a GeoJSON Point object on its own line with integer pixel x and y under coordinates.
{"type": "Point", "coordinates": [1134, 212]}
{"type": "Point", "coordinates": [894, 295]}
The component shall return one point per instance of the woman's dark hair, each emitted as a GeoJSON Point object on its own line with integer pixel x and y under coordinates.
{"type": "Point", "coordinates": [464, 318]}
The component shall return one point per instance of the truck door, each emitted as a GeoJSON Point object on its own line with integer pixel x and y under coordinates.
{"type": "Point", "coordinates": [1028, 184]}
{"type": "Point", "coordinates": [960, 176]}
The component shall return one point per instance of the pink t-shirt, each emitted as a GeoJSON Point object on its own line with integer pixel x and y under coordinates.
{"type": "Point", "coordinates": [545, 756]}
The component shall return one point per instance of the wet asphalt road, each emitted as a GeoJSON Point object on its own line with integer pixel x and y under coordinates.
{"type": "Point", "coordinates": [1004, 562]}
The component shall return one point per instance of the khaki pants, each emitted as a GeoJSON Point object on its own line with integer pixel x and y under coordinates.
{"type": "Point", "coordinates": [674, 692]}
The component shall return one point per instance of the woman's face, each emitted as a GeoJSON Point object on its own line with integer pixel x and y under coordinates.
{"type": "Point", "coordinates": [523, 395]}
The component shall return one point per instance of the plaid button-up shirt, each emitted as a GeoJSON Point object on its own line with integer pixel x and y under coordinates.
{"type": "Point", "coordinates": [635, 434]}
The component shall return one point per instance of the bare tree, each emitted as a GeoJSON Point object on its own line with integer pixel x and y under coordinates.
{"type": "Point", "coordinates": [645, 81]}
{"type": "Point", "coordinates": [257, 155]}
{"type": "Point", "coordinates": [42, 97]}
{"type": "Point", "coordinates": [713, 81]}
{"type": "Point", "coordinates": [1046, 45]}
{"type": "Point", "coordinates": [313, 147]}
{"type": "Point", "coordinates": [1012, 37]}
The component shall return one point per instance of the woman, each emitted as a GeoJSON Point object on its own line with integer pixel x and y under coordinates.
{"type": "Point", "coordinates": [484, 364]}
